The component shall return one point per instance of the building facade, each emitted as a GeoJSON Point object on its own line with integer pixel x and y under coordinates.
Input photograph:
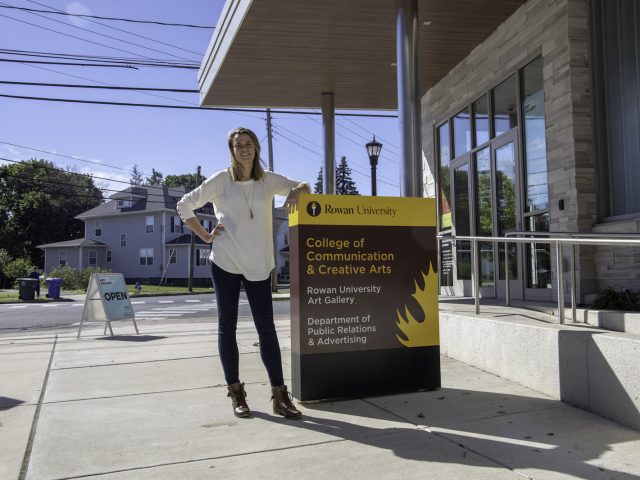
{"type": "Point", "coordinates": [537, 130]}
{"type": "Point", "coordinates": [138, 233]}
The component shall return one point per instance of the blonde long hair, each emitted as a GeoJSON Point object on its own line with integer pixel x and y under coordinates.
{"type": "Point", "coordinates": [257, 172]}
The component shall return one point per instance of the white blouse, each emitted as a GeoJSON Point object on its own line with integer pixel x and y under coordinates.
{"type": "Point", "coordinates": [245, 245]}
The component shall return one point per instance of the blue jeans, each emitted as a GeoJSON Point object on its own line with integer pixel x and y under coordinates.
{"type": "Point", "coordinates": [227, 287]}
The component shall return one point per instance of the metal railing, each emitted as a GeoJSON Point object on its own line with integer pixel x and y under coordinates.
{"type": "Point", "coordinates": [559, 240]}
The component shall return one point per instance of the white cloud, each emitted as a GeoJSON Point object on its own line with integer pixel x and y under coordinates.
{"type": "Point", "coordinates": [77, 8]}
{"type": "Point", "coordinates": [111, 186]}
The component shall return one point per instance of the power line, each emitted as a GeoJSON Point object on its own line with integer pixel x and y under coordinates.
{"type": "Point", "coordinates": [55, 10]}
{"type": "Point", "coordinates": [386, 142]}
{"type": "Point", "coordinates": [119, 19]}
{"type": "Point", "coordinates": [355, 169]}
{"type": "Point", "coordinates": [318, 146]}
{"type": "Point", "coordinates": [132, 65]}
{"type": "Point", "coordinates": [65, 156]}
{"type": "Point", "coordinates": [68, 63]}
{"type": "Point", "coordinates": [72, 173]}
{"type": "Point", "coordinates": [170, 190]}
{"type": "Point", "coordinates": [105, 35]}
{"type": "Point", "coordinates": [348, 138]}
{"type": "Point", "coordinates": [101, 58]}
{"type": "Point", "coordinates": [68, 85]}
{"type": "Point", "coordinates": [78, 38]}
{"type": "Point", "coordinates": [103, 83]}
{"type": "Point", "coordinates": [224, 109]}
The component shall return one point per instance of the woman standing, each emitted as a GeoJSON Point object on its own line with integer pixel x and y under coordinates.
{"type": "Point", "coordinates": [242, 253]}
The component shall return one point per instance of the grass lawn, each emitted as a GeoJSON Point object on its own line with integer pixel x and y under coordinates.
{"type": "Point", "coordinates": [148, 290]}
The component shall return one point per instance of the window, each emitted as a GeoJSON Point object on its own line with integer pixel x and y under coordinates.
{"type": "Point", "coordinates": [489, 184]}
{"type": "Point", "coordinates": [505, 113]}
{"type": "Point", "coordinates": [461, 133]}
{"type": "Point", "coordinates": [202, 257]}
{"type": "Point", "coordinates": [444, 158]}
{"type": "Point", "coordinates": [149, 223]}
{"type": "Point", "coordinates": [93, 258]}
{"type": "Point", "coordinates": [62, 259]}
{"type": "Point", "coordinates": [98, 229]}
{"type": "Point", "coordinates": [124, 203]}
{"type": "Point", "coordinates": [173, 257]}
{"type": "Point", "coordinates": [535, 146]}
{"type": "Point", "coordinates": [616, 77]}
{"type": "Point", "coordinates": [146, 256]}
{"type": "Point", "coordinates": [123, 239]}
{"type": "Point", "coordinates": [481, 120]}
{"type": "Point", "coordinates": [108, 256]}
{"type": "Point", "coordinates": [176, 224]}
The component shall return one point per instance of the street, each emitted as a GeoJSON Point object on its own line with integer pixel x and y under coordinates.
{"type": "Point", "coordinates": [162, 309]}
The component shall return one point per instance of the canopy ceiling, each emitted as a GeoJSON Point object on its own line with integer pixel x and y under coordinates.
{"type": "Point", "coordinates": [283, 53]}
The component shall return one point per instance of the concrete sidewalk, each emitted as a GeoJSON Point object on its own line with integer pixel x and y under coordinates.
{"type": "Point", "coordinates": [155, 407]}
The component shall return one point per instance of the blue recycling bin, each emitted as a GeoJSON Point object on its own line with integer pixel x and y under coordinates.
{"type": "Point", "coordinates": [53, 287]}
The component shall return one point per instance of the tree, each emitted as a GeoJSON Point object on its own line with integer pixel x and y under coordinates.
{"type": "Point", "coordinates": [18, 268]}
{"type": "Point", "coordinates": [319, 183]}
{"type": "Point", "coordinates": [187, 180]}
{"type": "Point", "coordinates": [136, 176]}
{"type": "Point", "coordinates": [344, 183]}
{"type": "Point", "coordinates": [5, 259]}
{"type": "Point", "coordinates": [38, 203]}
{"type": "Point", "coordinates": [156, 178]}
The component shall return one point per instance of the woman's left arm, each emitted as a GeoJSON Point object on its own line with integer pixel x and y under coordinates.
{"type": "Point", "coordinates": [294, 195]}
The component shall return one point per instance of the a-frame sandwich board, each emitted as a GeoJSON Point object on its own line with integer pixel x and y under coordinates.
{"type": "Point", "coordinates": [107, 299]}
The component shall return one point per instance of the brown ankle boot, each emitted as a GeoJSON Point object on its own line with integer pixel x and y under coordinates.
{"type": "Point", "coordinates": [282, 404]}
{"type": "Point", "coordinates": [238, 399]}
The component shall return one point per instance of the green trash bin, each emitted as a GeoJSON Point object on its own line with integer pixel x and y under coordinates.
{"type": "Point", "coordinates": [27, 288]}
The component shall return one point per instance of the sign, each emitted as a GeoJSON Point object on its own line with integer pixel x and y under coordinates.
{"type": "Point", "coordinates": [107, 299]}
{"type": "Point", "coordinates": [364, 296]}
{"type": "Point", "coordinates": [446, 263]}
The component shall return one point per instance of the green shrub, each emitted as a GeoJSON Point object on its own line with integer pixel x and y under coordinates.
{"type": "Point", "coordinates": [18, 268]}
{"type": "Point", "coordinates": [85, 275]}
{"type": "Point", "coordinates": [611, 298]}
{"type": "Point", "coordinates": [69, 276]}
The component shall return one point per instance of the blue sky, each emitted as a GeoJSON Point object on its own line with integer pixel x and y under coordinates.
{"type": "Point", "coordinates": [111, 139]}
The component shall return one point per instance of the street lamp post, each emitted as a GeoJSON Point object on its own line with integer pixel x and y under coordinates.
{"type": "Point", "coordinates": [373, 149]}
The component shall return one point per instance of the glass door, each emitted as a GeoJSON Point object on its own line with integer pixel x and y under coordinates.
{"type": "Point", "coordinates": [506, 197]}
{"type": "Point", "coordinates": [484, 219]}
{"type": "Point", "coordinates": [461, 183]}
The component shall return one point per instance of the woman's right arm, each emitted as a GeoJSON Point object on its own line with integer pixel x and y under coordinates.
{"type": "Point", "coordinates": [194, 200]}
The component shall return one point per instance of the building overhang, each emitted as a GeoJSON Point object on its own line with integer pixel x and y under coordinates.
{"type": "Point", "coordinates": [278, 53]}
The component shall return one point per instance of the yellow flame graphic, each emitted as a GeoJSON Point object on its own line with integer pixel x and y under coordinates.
{"type": "Point", "coordinates": [425, 333]}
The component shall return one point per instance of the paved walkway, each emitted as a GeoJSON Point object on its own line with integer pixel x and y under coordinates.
{"type": "Point", "coordinates": [155, 407]}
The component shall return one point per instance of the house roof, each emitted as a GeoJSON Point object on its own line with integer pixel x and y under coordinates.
{"type": "Point", "coordinates": [145, 198]}
{"type": "Point", "coordinates": [279, 53]}
{"type": "Point", "coordinates": [185, 239]}
{"type": "Point", "coordinates": [78, 242]}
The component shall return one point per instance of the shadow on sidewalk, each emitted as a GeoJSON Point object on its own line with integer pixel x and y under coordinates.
{"type": "Point", "coordinates": [133, 338]}
{"type": "Point", "coordinates": [508, 437]}
{"type": "Point", "coordinates": [6, 403]}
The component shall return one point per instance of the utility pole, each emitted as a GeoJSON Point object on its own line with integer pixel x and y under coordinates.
{"type": "Point", "coordinates": [192, 243]}
{"type": "Point", "coordinates": [274, 273]}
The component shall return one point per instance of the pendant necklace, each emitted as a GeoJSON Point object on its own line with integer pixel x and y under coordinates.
{"type": "Point", "coordinates": [246, 200]}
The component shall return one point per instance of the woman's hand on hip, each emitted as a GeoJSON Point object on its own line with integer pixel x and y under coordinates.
{"type": "Point", "coordinates": [214, 233]}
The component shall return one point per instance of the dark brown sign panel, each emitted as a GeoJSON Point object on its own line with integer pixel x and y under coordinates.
{"type": "Point", "coordinates": [364, 301]}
